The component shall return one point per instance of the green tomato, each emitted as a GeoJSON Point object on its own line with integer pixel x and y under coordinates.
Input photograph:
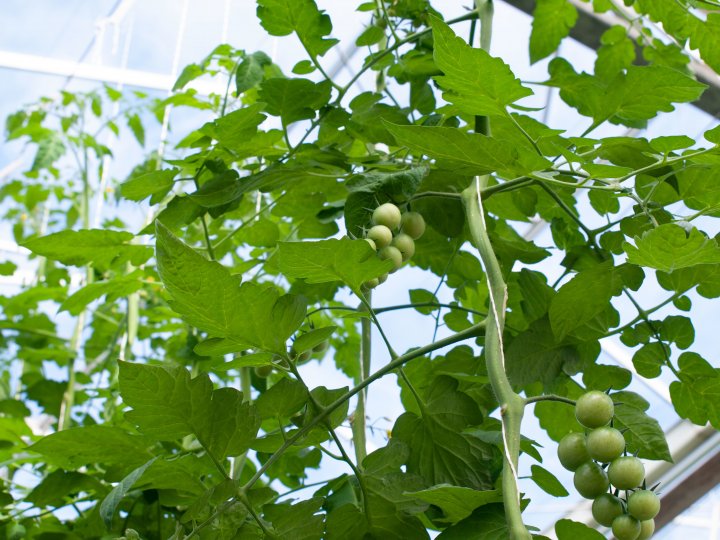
{"type": "Point", "coordinates": [626, 472]}
{"type": "Point", "coordinates": [644, 504]}
{"type": "Point", "coordinates": [606, 508]}
{"type": "Point", "coordinates": [299, 358]}
{"type": "Point", "coordinates": [393, 254]}
{"type": "Point", "coordinates": [572, 451]}
{"type": "Point", "coordinates": [263, 371]}
{"type": "Point", "coordinates": [388, 215]}
{"type": "Point", "coordinates": [626, 527]}
{"type": "Point", "coordinates": [413, 224]}
{"type": "Point", "coordinates": [405, 244]}
{"type": "Point", "coordinates": [321, 347]}
{"type": "Point", "coordinates": [647, 528]}
{"type": "Point", "coordinates": [605, 444]}
{"type": "Point", "coordinates": [594, 409]}
{"type": "Point", "coordinates": [382, 279]}
{"type": "Point", "coordinates": [590, 480]}
{"type": "Point", "coordinates": [371, 283]}
{"type": "Point", "coordinates": [380, 235]}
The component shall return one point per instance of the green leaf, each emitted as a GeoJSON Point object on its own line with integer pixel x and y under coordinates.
{"type": "Point", "coordinates": [485, 523]}
{"type": "Point", "coordinates": [136, 126]}
{"type": "Point", "coordinates": [155, 184]}
{"type": "Point", "coordinates": [236, 127]}
{"type": "Point", "coordinates": [282, 400]}
{"type": "Point", "coordinates": [299, 521]}
{"type": "Point", "coordinates": [110, 503]}
{"type": "Point", "coordinates": [679, 330]}
{"type": "Point", "coordinates": [76, 447]}
{"type": "Point", "coordinates": [467, 153]}
{"type": "Point", "coordinates": [696, 396]}
{"type": "Point", "coordinates": [643, 433]}
{"type": "Point", "coordinates": [548, 482]}
{"type": "Point", "coordinates": [668, 247]}
{"type": "Point", "coordinates": [456, 502]}
{"type": "Point", "coordinates": [370, 36]}
{"type": "Point", "coordinates": [210, 298]}
{"type": "Point", "coordinates": [251, 70]}
{"type": "Point", "coordinates": [220, 190]}
{"type": "Point", "coordinates": [440, 451]}
{"type": "Point", "coordinates": [552, 22]}
{"type": "Point", "coordinates": [98, 247]}
{"type": "Point", "coordinates": [567, 529]}
{"type": "Point", "coordinates": [281, 18]}
{"type": "Point", "coordinates": [112, 289]}
{"type": "Point", "coordinates": [351, 261]}
{"type": "Point", "coordinates": [535, 355]}
{"type": "Point", "coordinates": [59, 486]}
{"type": "Point", "coordinates": [421, 296]}
{"type": "Point", "coordinates": [587, 295]}
{"type": "Point", "coordinates": [294, 99]}
{"type": "Point", "coordinates": [475, 82]}
{"type": "Point", "coordinates": [168, 405]}
{"type": "Point", "coordinates": [307, 341]}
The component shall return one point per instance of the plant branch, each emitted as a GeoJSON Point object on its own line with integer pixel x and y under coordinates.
{"type": "Point", "coordinates": [511, 404]}
{"type": "Point", "coordinates": [548, 397]}
{"type": "Point", "coordinates": [471, 332]}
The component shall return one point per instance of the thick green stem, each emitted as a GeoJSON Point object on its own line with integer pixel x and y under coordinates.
{"type": "Point", "coordinates": [359, 427]}
{"type": "Point", "coordinates": [511, 404]}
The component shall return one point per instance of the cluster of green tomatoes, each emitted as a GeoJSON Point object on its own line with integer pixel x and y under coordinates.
{"type": "Point", "coordinates": [392, 235]}
{"type": "Point", "coordinates": [599, 461]}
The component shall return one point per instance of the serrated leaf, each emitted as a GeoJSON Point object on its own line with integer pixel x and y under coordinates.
{"type": "Point", "coordinates": [293, 99]}
{"type": "Point", "coordinates": [440, 451]}
{"type": "Point", "coordinates": [351, 261]}
{"type": "Point", "coordinates": [168, 405]}
{"type": "Point", "coordinates": [210, 298]}
{"type": "Point", "coordinates": [98, 247]}
{"type": "Point", "coordinates": [547, 481]}
{"type": "Point", "coordinates": [281, 18]}
{"type": "Point", "coordinates": [282, 400]}
{"type": "Point", "coordinates": [696, 396]}
{"type": "Point", "coordinates": [155, 183]}
{"type": "Point", "coordinates": [110, 503]}
{"type": "Point", "coordinates": [587, 295]}
{"type": "Point", "coordinates": [552, 22]}
{"type": "Point", "coordinates": [299, 521]}
{"type": "Point", "coordinates": [669, 247]}
{"type": "Point", "coordinates": [112, 289]}
{"type": "Point", "coordinates": [643, 433]}
{"type": "Point", "coordinates": [136, 126]}
{"type": "Point", "coordinates": [467, 153]}
{"type": "Point", "coordinates": [251, 70]}
{"type": "Point", "coordinates": [475, 82]}
{"type": "Point", "coordinates": [76, 447]}
{"type": "Point", "coordinates": [456, 502]}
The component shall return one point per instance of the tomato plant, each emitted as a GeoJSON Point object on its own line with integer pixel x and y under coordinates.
{"type": "Point", "coordinates": [212, 368]}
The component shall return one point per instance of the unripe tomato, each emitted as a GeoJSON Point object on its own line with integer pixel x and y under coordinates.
{"type": "Point", "coordinates": [371, 283]}
{"type": "Point", "coordinates": [388, 215]}
{"type": "Point", "coordinates": [393, 254]}
{"type": "Point", "coordinates": [605, 444]}
{"type": "Point", "coordinates": [572, 451]}
{"type": "Point", "coordinates": [413, 224]}
{"type": "Point", "coordinates": [380, 235]}
{"type": "Point", "coordinates": [321, 347]}
{"type": "Point", "coordinates": [594, 409]}
{"type": "Point", "coordinates": [647, 528]}
{"type": "Point", "coordinates": [590, 480]}
{"type": "Point", "coordinates": [405, 244]}
{"type": "Point", "coordinates": [299, 358]}
{"type": "Point", "coordinates": [626, 472]}
{"type": "Point", "coordinates": [606, 508]}
{"type": "Point", "coordinates": [382, 279]}
{"type": "Point", "coordinates": [263, 371]}
{"type": "Point", "coordinates": [626, 527]}
{"type": "Point", "coordinates": [644, 504]}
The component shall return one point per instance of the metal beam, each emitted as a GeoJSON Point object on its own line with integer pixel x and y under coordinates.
{"type": "Point", "coordinates": [93, 72]}
{"type": "Point", "coordinates": [590, 26]}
